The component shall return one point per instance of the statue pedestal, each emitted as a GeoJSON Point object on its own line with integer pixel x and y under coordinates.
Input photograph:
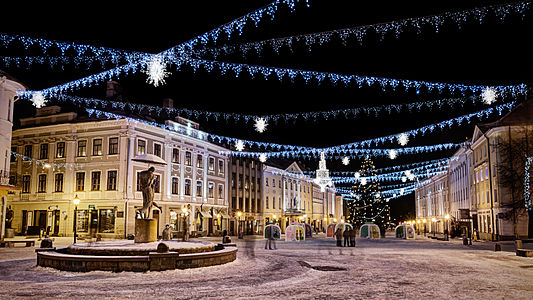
{"type": "Point", "coordinates": [10, 233]}
{"type": "Point", "coordinates": [145, 230]}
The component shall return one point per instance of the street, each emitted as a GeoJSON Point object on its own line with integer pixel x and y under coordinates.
{"type": "Point", "coordinates": [314, 269]}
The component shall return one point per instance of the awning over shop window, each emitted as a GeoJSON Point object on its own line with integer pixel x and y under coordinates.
{"type": "Point", "coordinates": [205, 214]}
{"type": "Point", "coordinates": [225, 216]}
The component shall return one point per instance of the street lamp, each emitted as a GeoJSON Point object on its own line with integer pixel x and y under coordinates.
{"type": "Point", "coordinates": [434, 223]}
{"type": "Point", "coordinates": [75, 201]}
{"type": "Point", "coordinates": [447, 217]}
{"type": "Point", "coordinates": [186, 211]}
{"type": "Point", "coordinates": [239, 214]}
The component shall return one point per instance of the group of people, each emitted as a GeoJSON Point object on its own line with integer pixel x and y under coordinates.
{"type": "Point", "coordinates": [348, 235]}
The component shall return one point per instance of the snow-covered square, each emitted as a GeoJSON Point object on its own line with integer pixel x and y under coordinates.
{"type": "Point", "coordinates": [313, 269]}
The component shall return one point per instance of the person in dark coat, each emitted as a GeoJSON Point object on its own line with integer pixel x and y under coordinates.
{"type": "Point", "coordinates": [338, 236]}
{"type": "Point", "coordinates": [346, 235]}
{"type": "Point", "coordinates": [352, 237]}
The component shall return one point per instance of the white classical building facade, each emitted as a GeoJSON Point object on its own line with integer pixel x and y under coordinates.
{"type": "Point", "coordinates": [8, 95]}
{"type": "Point", "coordinates": [61, 156]}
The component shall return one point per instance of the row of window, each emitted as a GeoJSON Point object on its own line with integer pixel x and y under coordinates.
{"type": "Point", "coordinates": [291, 185]}
{"type": "Point", "coordinates": [112, 184]}
{"type": "Point", "coordinates": [79, 183]}
{"type": "Point", "coordinates": [480, 177]}
{"type": "Point", "coordinates": [60, 149]}
{"type": "Point", "coordinates": [113, 146]}
{"type": "Point", "coordinates": [174, 187]}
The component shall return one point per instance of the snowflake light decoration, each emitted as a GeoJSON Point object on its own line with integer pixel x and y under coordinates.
{"type": "Point", "coordinates": [38, 99]}
{"type": "Point", "coordinates": [489, 95]}
{"type": "Point", "coordinates": [156, 71]}
{"type": "Point", "coordinates": [363, 181]}
{"type": "Point", "coordinates": [346, 161]}
{"type": "Point", "coordinates": [260, 125]}
{"type": "Point", "coordinates": [393, 154]}
{"type": "Point", "coordinates": [403, 139]}
{"type": "Point", "coordinates": [262, 157]}
{"type": "Point", "coordinates": [357, 175]}
{"type": "Point", "coordinates": [239, 145]}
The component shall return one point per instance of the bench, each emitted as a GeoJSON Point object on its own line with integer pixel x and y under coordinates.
{"type": "Point", "coordinates": [11, 244]}
{"type": "Point", "coordinates": [524, 252]}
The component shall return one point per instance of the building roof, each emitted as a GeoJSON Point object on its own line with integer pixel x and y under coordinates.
{"type": "Point", "coordinates": [522, 114]}
{"type": "Point", "coordinates": [5, 74]}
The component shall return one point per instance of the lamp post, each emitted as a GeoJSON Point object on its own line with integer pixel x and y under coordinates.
{"type": "Point", "coordinates": [239, 229]}
{"type": "Point", "coordinates": [447, 218]}
{"type": "Point", "coordinates": [433, 225]}
{"type": "Point", "coordinates": [75, 201]}
{"type": "Point", "coordinates": [186, 211]}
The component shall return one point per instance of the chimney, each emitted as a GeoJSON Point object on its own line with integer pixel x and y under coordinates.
{"type": "Point", "coordinates": [168, 103]}
{"type": "Point", "coordinates": [114, 91]}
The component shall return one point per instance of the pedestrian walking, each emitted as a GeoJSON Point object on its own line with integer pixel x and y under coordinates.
{"type": "Point", "coordinates": [338, 236]}
{"type": "Point", "coordinates": [270, 242]}
{"type": "Point", "coordinates": [352, 237]}
{"type": "Point", "coordinates": [346, 235]}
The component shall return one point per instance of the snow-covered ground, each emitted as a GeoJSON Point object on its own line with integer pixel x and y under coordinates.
{"type": "Point", "coordinates": [313, 269]}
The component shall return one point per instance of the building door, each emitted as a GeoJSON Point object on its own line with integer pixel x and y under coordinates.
{"type": "Point", "coordinates": [57, 216]}
{"type": "Point", "coordinates": [40, 219]}
{"type": "Point", "coordinates": [93, 222]}
{"type": "Point", "coordinates": [210, 226]}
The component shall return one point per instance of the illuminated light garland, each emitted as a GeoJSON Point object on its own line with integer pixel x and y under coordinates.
{"type": "Point", "coordinates": [47, 165]}
{"type": "Point", "coordinates": [235, 26]}
{"type": "Point", "coordinates": [348, 148]}
{"type": "Point", "coordinates": [386, 177]}
{"type": "Point", "coordinates": [346, 79]}
{"type": "Point", "coordinates": [332, 114]}
{"type": "Point", "coordinates": [68, 48]}
{"type": "Point", "coordinates": [353, 153]}
{"type": "Point", "coordinates": [392, 175]}
{"type": "Point", "coordinates": [61, 61]}
{"type": "Point", "coordinates": [418, 166]}
{"type": "Point", "coordinates": [369, 142]}
{"type": "Point", "coordinates": [527, 193]}
{"type": "Point", "coordinates": [396, 27]}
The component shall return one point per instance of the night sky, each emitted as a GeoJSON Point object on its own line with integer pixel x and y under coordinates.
{"type": "Point", "coordinates": [487, 54]}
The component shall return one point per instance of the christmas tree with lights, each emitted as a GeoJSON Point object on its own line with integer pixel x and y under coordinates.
{"type": "Point", "coordinates": [366, 204]}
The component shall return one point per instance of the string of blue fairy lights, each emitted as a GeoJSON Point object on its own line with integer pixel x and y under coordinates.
{"type": "Point", "coordinates": [371, 111]}
{"type": "Point", "coordinates": [340, 149]}
{"type": "Point", "coordinates": [397, 27]}
{"type": "Point", "coordinates": [233, 27]}
{"type": "Point", "coordinates": [178, 56]}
